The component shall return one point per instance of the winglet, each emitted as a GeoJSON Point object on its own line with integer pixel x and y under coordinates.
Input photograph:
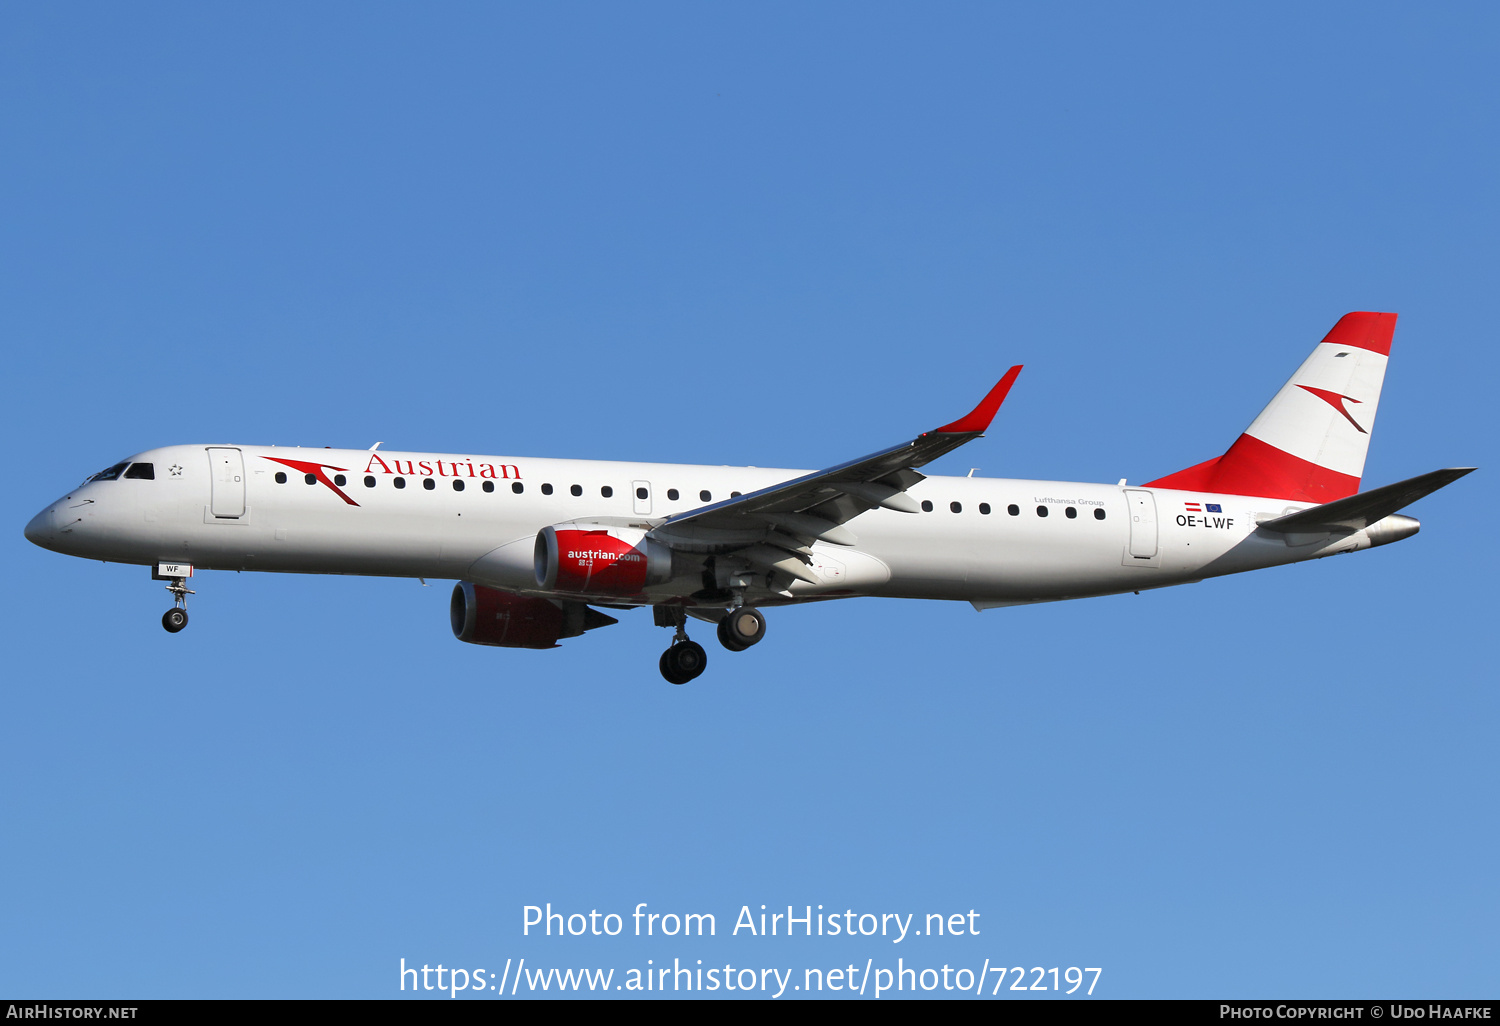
{"type": "Point", "coordinates": [979, 418]}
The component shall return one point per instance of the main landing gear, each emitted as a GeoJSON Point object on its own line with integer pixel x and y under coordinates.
{"type": "Point", "coordinates": [176, 618]}
{"type": "Point", "coordinates": [685, 660]}
{"type": "Point", "coordinates": [741, 628]}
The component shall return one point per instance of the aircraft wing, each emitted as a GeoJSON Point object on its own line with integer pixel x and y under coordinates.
{"type": "Point", "coordinates": [773, 526]}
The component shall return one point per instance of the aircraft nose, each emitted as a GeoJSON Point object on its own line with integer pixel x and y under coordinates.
{"type": "Point", "coordinates": [40, 530]}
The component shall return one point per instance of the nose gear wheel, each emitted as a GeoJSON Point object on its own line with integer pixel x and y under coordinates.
{"type": "Point", "coordinates": [176, 618]}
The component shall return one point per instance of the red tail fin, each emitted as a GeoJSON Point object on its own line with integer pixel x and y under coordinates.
{"type": "Point", "coordinates": [1309, 444]}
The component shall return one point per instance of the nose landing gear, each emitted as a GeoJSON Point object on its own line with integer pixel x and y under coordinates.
{"type": "Point", "coordinates": [176, 618]}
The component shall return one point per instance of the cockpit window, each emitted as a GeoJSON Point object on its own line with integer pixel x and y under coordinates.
{"type": "Point", "coordinates": [112, 474]}
{"type": "Point", "coordinates": [141, 472]}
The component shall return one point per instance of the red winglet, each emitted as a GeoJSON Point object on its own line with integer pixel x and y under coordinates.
{"type": "Point", "coordinates": [979, 418]}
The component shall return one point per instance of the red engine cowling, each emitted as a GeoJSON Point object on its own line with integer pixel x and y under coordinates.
{"type": "Point", "coordinates": [489, 616]}
{"type": "Point", "coordinates": [611, 561]}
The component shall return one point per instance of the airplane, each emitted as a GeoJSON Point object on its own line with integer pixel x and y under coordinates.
{"type": "Point", "coordinates": [541, 547]}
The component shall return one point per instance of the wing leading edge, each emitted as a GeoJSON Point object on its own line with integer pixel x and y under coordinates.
{"type": "Point", "coordinates": [773, 526]}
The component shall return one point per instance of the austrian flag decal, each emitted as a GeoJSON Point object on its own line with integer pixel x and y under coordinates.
{"type": "Point", "coordinates": [1207, 507]}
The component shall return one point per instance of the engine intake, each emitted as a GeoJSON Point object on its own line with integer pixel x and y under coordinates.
{"type": "Point", "coordinates": [609, 561]}
{"type": "Point", "coordinates": [489, 616]}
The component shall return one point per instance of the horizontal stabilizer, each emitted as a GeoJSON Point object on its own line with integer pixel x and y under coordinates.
{"type": "Point", "coordinates": [1357, 512]}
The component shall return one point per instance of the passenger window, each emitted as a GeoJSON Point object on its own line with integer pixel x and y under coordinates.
{"type": "Point", "coordinates": [517, 487]}
{"type": "Point", "coordinates": [984, 509]}
{"type": "Point", "coordinates": [641, 493]}
{"type": "Point", "coordinates": [1071, 513]}
{"type": "Point", "coordinates": [926, 506]}
{"type": "Point", "coordinates": [1041, 511]}
{"type": "Point", "coordinates": [488, 486]}
{"type": "Point", "coordinates": [340, 480]}
{"type": "Point", "coordinates": [429, 483]}
{"type": "Point", "coordinates": [400, 482]}
{"type": "Point", "coordinates": [1098, 512]}
{"type": "Point", "coordinates": [576, 489]}
{"type": "Point", "coordinates": [310, 478]}
{"type": "Point", "coordinates": [546, 489]}
{"type": "Point", "coordinates": [705, 496]}
{"type": "Point", "coordinates": [1013, 510]}
{"type": "Point", "coordinates": [607, 491]}
{"type": "Point", "coordinates": [369, 481]}
{"type": "Point", "coordinates": [141, 472]}
{"type": "Point", "coordinates": [281, 477]}
{"type": "Point", "coordinates": [458, 486]}
{"type": "Point", "coordinates": [672, 494]}
{"type": "Point", "coordinates": [734, 495]}
{"type": "Point", "coordinates": [956, 507]}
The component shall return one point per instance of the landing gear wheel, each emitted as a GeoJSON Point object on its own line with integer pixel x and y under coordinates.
{"type": "Point", "coordinates": [175, 619]}
{"type": "Point", "coordinates": [741, 628]}
{"type": "Point", "coordinates": [683, 661]}
{"type": "Point", "coordinates": [726, 640]}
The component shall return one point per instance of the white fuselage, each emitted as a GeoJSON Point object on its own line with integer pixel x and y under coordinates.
{"type": "Point", "coordinates": [222, 507]}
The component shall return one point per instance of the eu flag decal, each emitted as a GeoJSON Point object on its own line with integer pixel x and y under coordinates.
{"type": "Point", "coordinates": [1212, 507]}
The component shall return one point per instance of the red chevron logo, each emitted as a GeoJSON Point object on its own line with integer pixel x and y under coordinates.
{"type": "Point", "coordinates": [316, 470]}
{"type": "Point", "coordinates": [1337, 402]}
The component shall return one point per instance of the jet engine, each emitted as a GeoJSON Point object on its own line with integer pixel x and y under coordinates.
{"type": "Point", "coordinates": [611, 561]}
{"type": "Point", "coordinates": [488, 616]}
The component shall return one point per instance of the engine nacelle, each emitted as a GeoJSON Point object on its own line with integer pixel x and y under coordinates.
{"type": "Point", "coordinates": [488, 616]}
{"type": "Point", "coordinates": [611, 561]}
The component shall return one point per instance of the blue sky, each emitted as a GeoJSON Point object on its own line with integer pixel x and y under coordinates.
{"type": "Point", "coordinates": [777, 235]}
